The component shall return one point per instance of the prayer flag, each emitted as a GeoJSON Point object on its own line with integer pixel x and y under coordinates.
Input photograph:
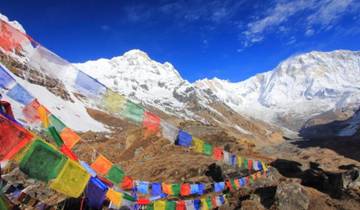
{"type": "Point", "coordinates": [89, 86]}
{"type": "Point", "coordinates": [115, 175]}
{"type": "Point", "coordinates": [127, 183]}
{"type": "Point", "coordinates": [197, 204]}
{"type": "Point", "coordinates": [68, 153]}
{"type": "Point", "coordinates": [142, 187]}
{"type": "Point", "coordinates": [159, 205]}
{"type": "Point", "coordinates": [20, 94]}
{"type": "Point", "coordinates": [170, 205]}
{"type": "Point", "coordinates": [219, 186]}
{"type": "Point", "coordinates": [115, 197]}
{"type": "Point", "coordinates": [208, 149]}
{"type": "Point", "coordinates": [114, 102]}
{"type": "Point", "coordinates": [54, 121]}
{"type": "Point", "coordinates": [180, 205]}
{"type": "Point", "coordinates": [175, 188]}
{"type": "Point", "coordinates": [250, 163]}
{"type": "Point", "coordinates": [184, 139]}
{"type": "Point", "coordinates": [133, 112]}
{"type": "Point", "coordinates": [101, 165]}
{"type": "Point", "coordinates": [13, 138]}
{"type": "Point", "coordinates": [42, 161]}
{"type": "Point", "coordinates": [239, 161]}
{"type": "Point", "coordinates": [69, 137]}
{"type": "Point", "coordinates": [71, 180]}
{"type": "Point", "coordinates": [88, 168]}
{"type": "Point", "coordinates": [198, 145]}
{"type": "Point", "coordinates": [218, 153]}
{"type": "Point", "coordinates": [56, 136]}
{"type": "Point", "coordinates": [169, 131]}
{"type": "Point", "coordinates": [5, 79]}
{"type": "Point", "coordinates": [95, 193]}
{"type": "Point", "coordinates": [156, 189]}
{"type": "Point", "coordinates": [30, 111]}
{"type": "Point", "coordinates": [151, 122]}
{"type": "Point", "coordinates": [185, 189]}
{"type": "Point", "coordinates": [227, 158]}
{"type": "Point", "coordinates": [43, 114]}
{"type": "Point", "coordinates": [167, 189]}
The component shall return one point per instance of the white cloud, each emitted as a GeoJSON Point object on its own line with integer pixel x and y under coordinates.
{"type": "Point", "coordinates": [321, 13]}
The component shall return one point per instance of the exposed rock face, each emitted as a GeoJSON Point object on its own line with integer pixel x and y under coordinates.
{"type": "Point", "coordinates": [290, 196]}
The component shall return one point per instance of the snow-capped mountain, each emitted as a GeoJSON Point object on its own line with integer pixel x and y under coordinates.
{"type": "Point", "coordinates": [300, 87]}
{"type": "Point", "coordinates": [135, 75]}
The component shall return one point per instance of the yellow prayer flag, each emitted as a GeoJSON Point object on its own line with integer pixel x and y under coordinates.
{"type": "Point", "coordinates": [159, 205]}
{"type": "Point", "coordinates": [239, 161]}
{"type": "Point", "coordinates": [204, 205]}
{"type": "Point", "coordinates": [115, 197]}
{"type": "Point", "coordinates": [264, 166]}
{"type": "Point", "coordinates": [198, 145]}
{"type": "Point", "coordinates": [43, 114]}
{"type": "Point", "coordinates": [114, 102]}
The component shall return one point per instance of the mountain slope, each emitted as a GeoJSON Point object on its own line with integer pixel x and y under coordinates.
{"type": "Point", "coordinates": [300, 87]}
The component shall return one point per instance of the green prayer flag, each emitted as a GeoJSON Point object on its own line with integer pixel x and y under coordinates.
{"type": "Point", "coordinates": [208, 149]}
{"type": "Point", "coordinates": [232, 181]}
{"type": "Point", "coordinates": [58, 141]}
{"type": "Point", "coordinates": [208, 202]}
{"type": "Point", "coordinates": [175, 189]}
{"type": "Point", "coordinates": [133, 112]}
{"type": "Point", "coordinates": [54, 121]}
{"type": "Point", "coordinates": [128, 197]}
{"type": "Point", "coordinates": [150, 206]}
{"type": "Point", "coordinates": [245, 165]}
{"type": "Point", "coordinates": [170, 205]}
{"type": "Point", "coordinates": [115, 175]}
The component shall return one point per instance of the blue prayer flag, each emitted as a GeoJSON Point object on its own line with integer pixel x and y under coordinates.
{"type": "Point", "coordinates": [88, 85]}
{"type": "Point", "coordinates": [219, 186]}
{"type": "Point", "coordinates": [5, 78]}
{"type": "Point", "coordinates": [184, 139]}
{"type": "Point", "coordinates": [156, 189]}
{"type": "Point", "coordinates": [194, 189]}
{"type": "Point", "coordinates": [197, 204]}
{"type": "Point", "coordinates": [19, 94]}
{"type": "Point", "coordinates": [201, 189]}
{"type": "Point", "coordinates": [142, 187]}
{"type": "Point", "coordinates": [222, 199]}
{"type": "Point", "coordinates": [88, 168]}
{"type": "Point", "coordinates": [242, 182]}
{"type": "Point", "coordinates": [233, 160]}
{"type": "Point", "coordinates": [95, 193]}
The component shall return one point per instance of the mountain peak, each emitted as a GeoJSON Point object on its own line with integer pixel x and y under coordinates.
{"type": "Point", "coordinates": [137, 53]}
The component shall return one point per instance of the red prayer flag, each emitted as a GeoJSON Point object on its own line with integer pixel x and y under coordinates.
{"type": "Point", "coordinates": [12, 139]}
{"type": "Point", "coordinates": [66, 151]}
{"type": "Point", "coordinates": [185, 189]}
{"type": "Point", "coordinates": [213, 201]}
{"type": "Point", "coordinates": [250, 164]}
{"type": "Point", "coordinates": [151, 122]}
{"type": "Point", "coordinates": [127, 183]}
{"type": "Point", "coordinates": [143, 201]}
{"type": "Point", "coordinates": [228, 184]}
{"type": "Point", "coordinates": [11, 38]}
{"type": "Point", "coordinates": [180, 205]}
{"type": "Point", "coordinates": [31, 113]}
{"type": "Point", "coordinates": [218, 153]}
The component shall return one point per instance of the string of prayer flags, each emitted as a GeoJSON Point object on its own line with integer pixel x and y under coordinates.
{"type": "Point", "coordinates": [42, 161]}
{"type": "Point", "coordinates": [115, 175]}
{"type": "Point", "coordinates": [133, 112]}
{"type": "Point", "coordinates": [115, 197]}
{"type": "Point", "coordinates": [208, 149]}
{"type": "Point", "coordinates": [5, 79]}
{"type": "Point", "coordinates": [12, 139]}
{"type": "Point", "coordinates": [142, 187]}
{"type": "Point", "coordinates": [184, 139]}
{"type": "Point", "coordinates": [101, 165]}
{"type": "Point", "coordinates": [95, 193]}
{"type": "Point", "coordinates": [72, 180]}
{"type": "Point", "coordinates": [114, 102]}
{"type": "Point", "coordinates": [19, 94]}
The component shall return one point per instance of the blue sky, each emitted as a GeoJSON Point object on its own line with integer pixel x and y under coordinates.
{"type": "Point", "coordinates": [228, 39]}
